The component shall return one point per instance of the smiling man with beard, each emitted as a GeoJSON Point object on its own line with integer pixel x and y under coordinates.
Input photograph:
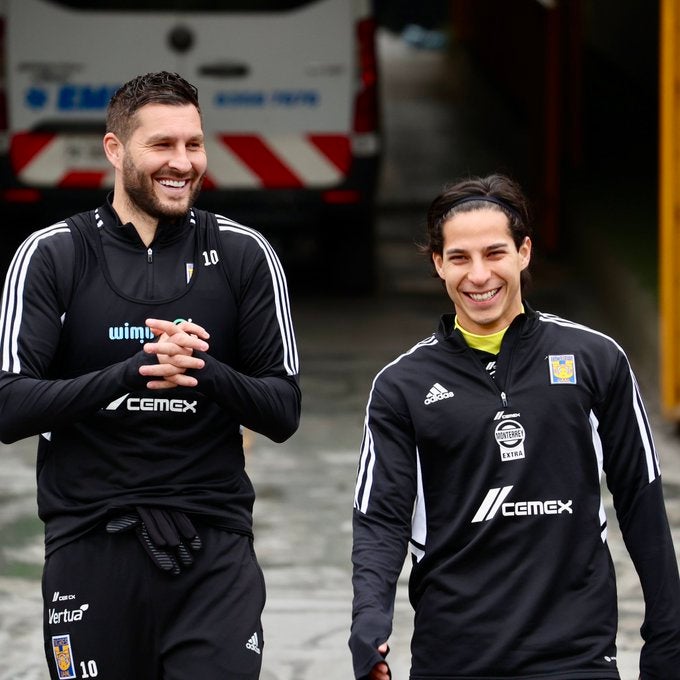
{"type": "Point", "coordinates": [138, 339]}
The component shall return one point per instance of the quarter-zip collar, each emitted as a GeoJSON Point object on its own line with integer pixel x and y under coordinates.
{"type": "Point", "coordinates": [522, 326]}
{"type": "Point", "coordinates": [168, 231]}
{"type": "Point", "coordinates": [158, 271]}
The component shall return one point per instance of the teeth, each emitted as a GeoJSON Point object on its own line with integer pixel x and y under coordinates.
{"type": "Point", "coordinates": [176, 183]}
{"type": "Point", "coordinates": [483, 297]}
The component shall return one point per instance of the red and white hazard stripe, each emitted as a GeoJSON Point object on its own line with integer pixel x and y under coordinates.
{"type": "Point", "coordinates": [234, 161]}
{"type": "Point", "coordinates": [283, 161]}
{"type": "Point", "coordinates": [56, 160]}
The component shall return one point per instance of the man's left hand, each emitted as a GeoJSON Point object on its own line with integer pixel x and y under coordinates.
{"type": "Point", "coordinates": [174, 347]}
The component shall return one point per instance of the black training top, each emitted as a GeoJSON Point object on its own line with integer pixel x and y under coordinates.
{"type": "Point", "coordinates": [494, 485]}
{"type": "Point", "coordinates": [72, 330]}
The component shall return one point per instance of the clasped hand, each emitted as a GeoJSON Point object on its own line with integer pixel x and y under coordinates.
{"type": "Point", "coordinates": [174, 347]}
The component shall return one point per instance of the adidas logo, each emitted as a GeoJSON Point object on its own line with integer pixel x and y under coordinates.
{"type": "Point", "coordinates": [437, 393]}
{"type": "Point", "coordinates": [253, 645]}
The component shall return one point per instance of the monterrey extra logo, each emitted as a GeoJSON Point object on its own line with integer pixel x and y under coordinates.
{"type": "Point", "coordinates": [510, 437]}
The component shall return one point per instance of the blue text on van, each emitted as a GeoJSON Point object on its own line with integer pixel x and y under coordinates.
{"type": "Point", "coordinates": [71, 97]}
{"type": "Point", "coordinates": [260, 98]}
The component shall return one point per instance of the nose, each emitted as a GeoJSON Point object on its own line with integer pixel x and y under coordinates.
{"type": "Point", "coordinates": [180, 160]}
{"type": "Point", "coordinates": [479, 273]}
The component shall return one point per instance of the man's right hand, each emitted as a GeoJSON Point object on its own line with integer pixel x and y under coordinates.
{"type": "Point", "coordinates": [381, 671]}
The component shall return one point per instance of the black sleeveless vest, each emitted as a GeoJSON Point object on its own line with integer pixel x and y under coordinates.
{"type": "Point", "coordinates": [174, 447]}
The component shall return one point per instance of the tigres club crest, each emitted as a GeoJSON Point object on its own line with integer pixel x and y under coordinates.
{"type": "Point", "coordinates": [61, 645]}
{"type": "Point", "coordinates": [562, 369]}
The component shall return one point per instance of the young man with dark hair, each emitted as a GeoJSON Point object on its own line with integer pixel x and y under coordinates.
{"type": "Point", "coordinates": [483, 451]}
{"type": "Point", "coordinates": [138, 339]}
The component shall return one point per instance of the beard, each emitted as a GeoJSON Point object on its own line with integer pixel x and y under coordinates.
{"type": "Point", "coordinates": [139, 188]}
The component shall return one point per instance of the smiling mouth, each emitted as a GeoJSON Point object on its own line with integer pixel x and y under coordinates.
{"type": "Point", "coordinates": [483, 297]}
{"type": "Point", "coordinates": [173, 183]}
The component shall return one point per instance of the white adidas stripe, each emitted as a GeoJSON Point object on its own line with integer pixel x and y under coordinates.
{"type": "Point", "coordinates": [652, 459]}
{"type": "Point", "coordinates": [12, 302]}
{"type": "Point", "coordinates": [364, 482]}
{"type": "Point", "coordinates": [291, 361]}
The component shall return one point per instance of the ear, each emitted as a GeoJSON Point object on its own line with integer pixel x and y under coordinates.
{"type": "Point", "coordinates": [114, 149]}
{"type": "Point", "coordinates": [438, 262]}
{"type": "Point", "coordinates": [525, 253]}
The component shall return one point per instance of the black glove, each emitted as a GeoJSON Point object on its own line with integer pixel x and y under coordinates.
{"type": "Point", "coordinates": [168, 536]}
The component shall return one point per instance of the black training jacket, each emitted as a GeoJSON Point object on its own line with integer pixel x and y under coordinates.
{"type": "Point", "coordinates": [494, 485]}
{"type": "Point", "coordinates": [71, 336]}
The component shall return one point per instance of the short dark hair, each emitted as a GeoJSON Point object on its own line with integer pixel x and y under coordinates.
{"type": "Point", "coordinates": [495, 192]}
{"type": "Point", "coordinates": [152, 88]}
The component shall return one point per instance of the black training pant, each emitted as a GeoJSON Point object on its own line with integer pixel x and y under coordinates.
{"type": "Point", "coordinates": [111, 614]}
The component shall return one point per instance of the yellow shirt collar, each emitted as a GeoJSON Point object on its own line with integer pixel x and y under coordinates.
{"type": "Point", "coordinates": [486, 343]}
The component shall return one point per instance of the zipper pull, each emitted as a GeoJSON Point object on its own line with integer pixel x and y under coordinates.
{"type": "Point", "coordinates": [149, 256]}
{"type": "Point", "coordinates": [504, 399]}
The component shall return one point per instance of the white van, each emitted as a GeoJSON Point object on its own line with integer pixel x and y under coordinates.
{"type": "Point", "coordinates": [288, 92]}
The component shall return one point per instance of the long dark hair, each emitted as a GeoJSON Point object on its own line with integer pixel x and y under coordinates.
{"type": "Point", "coordinates": [494, 192]}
